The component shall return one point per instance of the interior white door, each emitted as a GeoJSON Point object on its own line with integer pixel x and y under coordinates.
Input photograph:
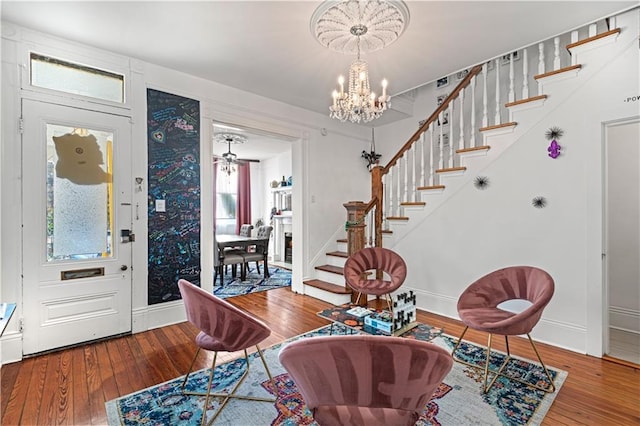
{"type": "Point", "coordinates": [76, 213]}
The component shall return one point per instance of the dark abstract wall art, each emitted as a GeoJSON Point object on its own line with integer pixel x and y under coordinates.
{"type": "Point", "coordinates": [173, 148]}
{"type": "Point", "coordinates": [539, 202]}
{"type": "Point", "coordinates": [481, 182]}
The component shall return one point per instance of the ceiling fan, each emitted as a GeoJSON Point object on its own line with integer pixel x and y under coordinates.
{"type": "Point", "coordinates": [229, 160]}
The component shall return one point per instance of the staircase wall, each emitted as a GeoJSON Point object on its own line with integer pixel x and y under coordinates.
{"type": "Point", "coordinates": [476, 231]}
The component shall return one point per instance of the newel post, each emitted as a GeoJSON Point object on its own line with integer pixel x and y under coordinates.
{"type": "Point", "coordinates": [355, 226]}
{"type": "Point", "coordinates": [377, 194]}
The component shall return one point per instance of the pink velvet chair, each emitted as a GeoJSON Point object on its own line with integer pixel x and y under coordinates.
{"type": "Point", "coordinates": [223, 327]}
{"type": "Point", "coordinates": [365, 380]}
{"type": "Point", "coordinates": [377, 258]}
{"type": "Point", "coordinates": [506, 302]}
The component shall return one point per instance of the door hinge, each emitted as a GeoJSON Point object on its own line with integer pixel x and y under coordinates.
{"type": "Point", "coordinates": [21, 125]}
{"type": "Point", "coordinates": [21, 325]}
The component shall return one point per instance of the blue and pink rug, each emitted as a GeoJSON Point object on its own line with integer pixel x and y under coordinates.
{"type": "Point", "coordinates": [458, 401]}
{"type": "Point", "coordinates": [254, 282]}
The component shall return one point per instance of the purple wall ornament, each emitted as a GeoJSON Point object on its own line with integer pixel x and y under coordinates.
{"type": "Point", "coordinates": [554, 148]}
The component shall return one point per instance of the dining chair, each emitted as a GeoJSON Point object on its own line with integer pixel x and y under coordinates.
{"type": "Point", "coordinates": [262, 250]}
{"type": "Point", "coordinates": [221, 260]}
{"type": "Point", "coordinates": [223, 328]}
{"type": "Point", "coordinates": [378, 258]}
{"type": "Point", "coordinates": [365, 379]}
{"type": "Point", "coordinates": [506, 302]}
{"type": "Point", "coordinates": [245, 231]}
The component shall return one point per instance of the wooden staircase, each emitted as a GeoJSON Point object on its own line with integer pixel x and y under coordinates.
{"type": "Point", "coordinates": [399, 187]}
{"type": "Point", "coordinates": [329, 284]}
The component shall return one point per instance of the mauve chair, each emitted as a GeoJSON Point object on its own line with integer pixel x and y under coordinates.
{"type": "Point", "coordinates": [365, 380]}
{"type": "Point", "coordinates": [506, 302]}
{"type": "Point", "coordinates": [377, 258]}
{"type": "Point", "coordinates": [223, 327]}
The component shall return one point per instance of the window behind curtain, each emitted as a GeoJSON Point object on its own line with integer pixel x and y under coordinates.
{"type": "Point", "coordinates": [226, 201]}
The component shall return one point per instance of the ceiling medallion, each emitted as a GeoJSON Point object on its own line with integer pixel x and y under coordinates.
{"type": "Point", "coordinates": [229, 138]}
{"type": "Point", "coordinates": [338, 25]}
{"type": "Point", "coordinates": [355, 27]}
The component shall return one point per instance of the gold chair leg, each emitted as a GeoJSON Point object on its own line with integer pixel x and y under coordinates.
{"type": "Point", "coordinates": [487, 370]}
{"type": "Point", "coordinates": [552, 387]}
{"type": "Point", "coordinates": [184, 382]}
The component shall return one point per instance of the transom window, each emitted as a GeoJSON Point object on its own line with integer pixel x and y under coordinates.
{"type": "Point", "coordinates": [56, 74]}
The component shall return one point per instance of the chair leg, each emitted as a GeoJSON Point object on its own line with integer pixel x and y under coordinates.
{"type": "Point", "coordinates": [486, 370]}
{"type": "Point", "coordinates": [552, 387]}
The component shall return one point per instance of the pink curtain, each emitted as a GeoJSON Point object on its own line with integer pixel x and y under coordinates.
{"type": "Point", "coordinates": [243, 207]}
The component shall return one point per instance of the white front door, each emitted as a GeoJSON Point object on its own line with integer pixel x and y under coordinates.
{"type": "Point", "coordinates": [76, 189]}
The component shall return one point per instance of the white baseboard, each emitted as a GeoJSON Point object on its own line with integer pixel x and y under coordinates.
{"type": "Point", "coordinates": [165, 314]}
{"type": "Point", "coordinates": [560, 334]}
{"type": "Point", "coordinates": [624, 319]}
{"type": "Point", "coordinates": [11, 347]}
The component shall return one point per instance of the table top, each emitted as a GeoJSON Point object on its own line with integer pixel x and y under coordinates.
{"type": "Point", "coordinates": [339, 315]}
{"type": "Point", "coordinates": [228, 239]}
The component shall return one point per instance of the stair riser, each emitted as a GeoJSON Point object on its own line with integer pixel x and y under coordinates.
{"type": "Point", "coordinates": [336, 261]}
{"type": "Point", "coordinates": [330, 277]}
{"type": "Point", "coordinates": [342, 247]}
{"type": "Point", "coordinates": [334, 299]}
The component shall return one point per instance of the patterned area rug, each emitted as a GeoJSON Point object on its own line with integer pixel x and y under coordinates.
{"type": "Point", "coordinates": [254, 282]}
{"type": "Point", "coordinates": [458, 400]}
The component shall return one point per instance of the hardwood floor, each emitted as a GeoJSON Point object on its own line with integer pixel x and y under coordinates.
{"type": "Point", "coordinates": [71, 386]}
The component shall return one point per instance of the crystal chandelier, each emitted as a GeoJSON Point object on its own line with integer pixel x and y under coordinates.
{"type": "Point", "coordinates": [356, 26]}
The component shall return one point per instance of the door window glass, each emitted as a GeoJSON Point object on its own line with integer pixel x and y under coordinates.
{"type": "Point", "coordinates": [79, 193]}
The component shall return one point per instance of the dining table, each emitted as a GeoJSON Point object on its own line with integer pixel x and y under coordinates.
{"type": "Point", "coordinates": [242, 242]}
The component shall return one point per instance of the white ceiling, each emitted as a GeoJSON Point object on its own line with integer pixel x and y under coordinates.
{"type": "Point", "coordinates": [266, 47]}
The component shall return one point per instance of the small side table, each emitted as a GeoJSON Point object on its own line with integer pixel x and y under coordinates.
{"type": "Point", "coordinates": [6, 312]}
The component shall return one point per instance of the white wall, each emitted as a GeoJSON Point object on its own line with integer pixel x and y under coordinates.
{"type": "Point", "coordinates": [476, 232]}
{"type": "Point", "coordinates": [318, 197]}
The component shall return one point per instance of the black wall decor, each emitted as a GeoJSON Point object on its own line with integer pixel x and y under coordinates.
{"type": "Point", "coordinates": [173, 147]}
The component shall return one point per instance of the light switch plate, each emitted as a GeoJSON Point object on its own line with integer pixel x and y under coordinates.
{"type": "Point", "coordinates": [161, 206]}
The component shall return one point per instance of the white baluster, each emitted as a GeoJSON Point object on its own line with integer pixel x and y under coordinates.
{"type": "Point", "coordinates": [574, 38]}
{"type": "Point", "coordinates": [541, 67]}
{"type": "Point", "coordinates": [461, 140]}
{"type": "Point", "coordinates": [593, 30]}
{"type": "Point", "coordinates": [512, 78]}
{"type": "Point", "coordinates": [472, 141]}
{"type": "Point", "coordinates": [414, 172]}
{"type": "Point", "coordinates": [450, 127]}
{"type": "Point", "coordinates": [556, 54]}
{"type": "Point", "coordinates": [423, 138]}
{"type": "Point", "coordinates": [399, 187]}
{"type": "Point", "coordinates": [406, 176]}
{"type": "Point", "coordinates": [485, 117]}
{"type": "Point", "coordinates": [432, 152]}
{"type": "Point", "coordinates": [525, 74]}
{"type": "Point", "coordinates": [441, 144]}
{"type": "Point", "coordinates": [385, 198]}
{"type": "Point", "coordinates": [391, 200]}
{"type": "Point", "coordinates": [496, 118]}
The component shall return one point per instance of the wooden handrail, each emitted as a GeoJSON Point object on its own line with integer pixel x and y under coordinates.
{"type": "Point", "coordinates": [433, 117]}
{"type": "Point", "coordinates": [378, 171]}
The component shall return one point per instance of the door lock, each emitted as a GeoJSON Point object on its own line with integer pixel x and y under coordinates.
{"type": "Point", "coordinates": [123, 268]}
{"type": "Point", "coordinates": [126, 236]}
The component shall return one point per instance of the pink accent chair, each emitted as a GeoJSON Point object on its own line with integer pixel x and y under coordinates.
{"type": "Point", "coordinates": [365, 380]}
{"type": "Point", "coordinates": [223, 327]}
{"type": "Point", "coordinates": [377, 258]}
{"type": "Point", "coordinates": [483, 306]}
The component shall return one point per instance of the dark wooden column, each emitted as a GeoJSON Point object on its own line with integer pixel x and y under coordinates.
{"type": "Point", "coordinates": [355, 227]}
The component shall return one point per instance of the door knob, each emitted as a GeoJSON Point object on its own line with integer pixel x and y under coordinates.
{"type": "Point", "coordinates": [123, 268]}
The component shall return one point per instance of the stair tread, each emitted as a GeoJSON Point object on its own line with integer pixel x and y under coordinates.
{"type": "Point", "coordinates": [452, 169]}
{"type": "Point", "coordinates": [397, 218]}
{"type": "Point", "coordinates": [338, 253]}
{"type": "Point", "coordinates": [327, 286]}
{"type": "Point", "coordinates": [342, 240]}
{"type": "Point", "coordinates": [413, 203]}
{"type": "Point", "coordinates": [432, 187]}
{"type": "Point", "coordinates": [331, 268]}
